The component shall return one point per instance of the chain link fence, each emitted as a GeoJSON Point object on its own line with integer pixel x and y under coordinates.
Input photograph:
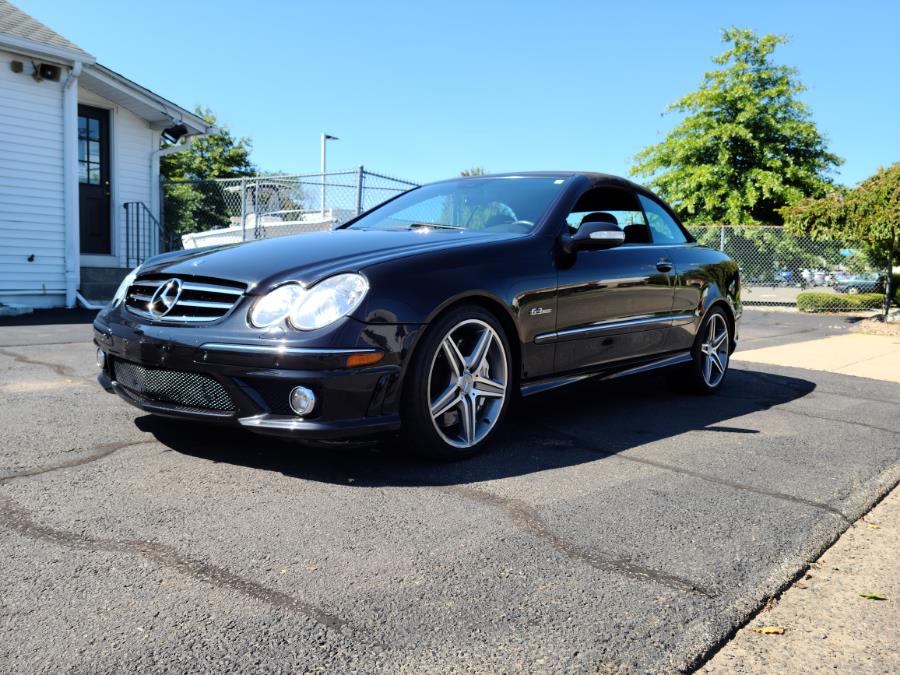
{"type": "Point", "coordinates": [777, 268]}
{"type": "Point", "coordinates": [780, 269]}
{"type": "Point", "coordinates": [231, 210]}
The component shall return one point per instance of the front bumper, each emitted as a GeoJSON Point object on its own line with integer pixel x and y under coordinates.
{"type": "Point", "coordinates": [254, 374]}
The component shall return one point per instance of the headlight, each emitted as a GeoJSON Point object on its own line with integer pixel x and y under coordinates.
{"type": "Point", "coordinates": [328, 301]}
{"type": "Point", "coordinates": [123, 287]}
{"type": "Point", "coordinates": [275, 306]}
{"type": "Point", "coordinates": [308, 309]}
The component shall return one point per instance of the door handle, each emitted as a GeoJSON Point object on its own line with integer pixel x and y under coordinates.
{"type": "Point", "coordinates": [664, 265]}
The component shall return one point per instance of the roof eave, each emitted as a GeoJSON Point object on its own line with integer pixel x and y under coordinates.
{"type": "Point", "coordinates": [37, 49]}
{"type": "Point", "coordinates": [171, 112]}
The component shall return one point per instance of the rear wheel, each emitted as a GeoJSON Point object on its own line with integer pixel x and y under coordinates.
{"type": "Point", "coordinates": [458, 386]}
{"type": "Point", "coordinates": [710, 353]}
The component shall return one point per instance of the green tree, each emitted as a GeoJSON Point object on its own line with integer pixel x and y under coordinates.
{"type": "Point", "coordinates": [191, 206]}
{"type": "Point", "coordinates": [474, 171]}
{"type": "Point", "coordinates": [218, 155]}
{"type": "Point", "coordinates": [868, 214]}
{"type": "Point", "coordinates": [746, 146]}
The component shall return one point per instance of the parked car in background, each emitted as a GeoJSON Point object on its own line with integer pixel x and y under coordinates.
{"type": "Point", "coordinates": [871, 282]}
{"type": "Point", "coordinates": [427, 315]}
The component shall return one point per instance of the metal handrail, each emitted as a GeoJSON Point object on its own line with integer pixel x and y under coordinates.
{"type": "Point", "coordinates": [144, 234]}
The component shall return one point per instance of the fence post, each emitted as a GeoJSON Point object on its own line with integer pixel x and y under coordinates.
{"type": "Point", "coordinates": [243, 209]}
{"type": "Point", "coordinates": [722, 238]}
{"type": "Point", "coordinates": [360, 177]}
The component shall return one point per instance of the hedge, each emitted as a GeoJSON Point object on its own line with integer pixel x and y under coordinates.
{"type": "Point", "coordinates": [812, 301]}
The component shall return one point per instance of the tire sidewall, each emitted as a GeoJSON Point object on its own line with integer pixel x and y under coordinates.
{"type": "Point", "coordinates": [698, 383]}
{"type": "Point", "coordinates": [417, 427]}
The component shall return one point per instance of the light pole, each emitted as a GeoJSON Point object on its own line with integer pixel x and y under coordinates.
{"type": "Point", "coordinates": [325, 139]}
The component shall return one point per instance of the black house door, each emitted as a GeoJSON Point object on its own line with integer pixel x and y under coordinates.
{"type": "Point", "coordinates": [93, 179]}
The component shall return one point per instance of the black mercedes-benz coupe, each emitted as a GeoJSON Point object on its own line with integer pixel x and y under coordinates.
{"type": "Point", "coordinates": [427, 315]}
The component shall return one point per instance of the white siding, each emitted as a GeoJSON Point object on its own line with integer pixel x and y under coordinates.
{"type": "Point", "coordinates": [32, 220]}
{"type": "Point", "coordinates": [131, 142]}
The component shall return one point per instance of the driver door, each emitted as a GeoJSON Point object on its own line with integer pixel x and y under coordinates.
{"type": "Point", "coordinates": [613, 304]}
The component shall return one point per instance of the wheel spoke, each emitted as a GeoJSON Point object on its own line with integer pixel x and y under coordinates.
{"type": "Point", "coordinates": [480, 352]}
{"type": "Point", "coordinates": [707, 369]}
{"type": "Point", "coordinates": [469, 421]}
{"type": "Point", "coordinates": [486, 387]}
{"type": "Point", "coordinates": [445, 401]}
{"type": "Point", "coordinates": [454, 357]}
{"type": "Point", "coordinates": [717, 342]}
{"type": "Point", "coordinates": [714, 357]}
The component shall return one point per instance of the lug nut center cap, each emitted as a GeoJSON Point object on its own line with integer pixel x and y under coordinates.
{"type": "Point", "coordinates": [467, 383]}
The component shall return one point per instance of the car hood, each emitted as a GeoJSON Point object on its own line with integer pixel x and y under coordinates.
{"type": "Point", "coordinates": [310, 257]}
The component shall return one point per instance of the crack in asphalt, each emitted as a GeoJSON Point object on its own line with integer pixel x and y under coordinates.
{"type": "Point", "coordinates": [865, 425]}
{"type": "Point", "coordinates": [19, 521]}
{"type": "Point", "coordinates": [581, 444]}
{"type": "Point", "coordinates": [97, 452]}
{"type": "Point", "coordinates": [525, 517]}
{"type": "Point", "coordinates": [64, 372]}
{"type": "Point", "coordinates": [48, 344]}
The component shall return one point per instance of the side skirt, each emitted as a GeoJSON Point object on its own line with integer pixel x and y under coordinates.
{"type": "Point", "coordinates": [539, 386]}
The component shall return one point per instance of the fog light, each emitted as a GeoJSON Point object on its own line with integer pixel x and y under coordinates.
{"type": "Point", "coordinates": [302, 400]}
{"type": "Point", "coordinates": [101, 359]}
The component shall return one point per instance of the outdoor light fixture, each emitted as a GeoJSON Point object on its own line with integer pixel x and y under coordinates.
{"type": "Point", "coordinates": [174, 133]}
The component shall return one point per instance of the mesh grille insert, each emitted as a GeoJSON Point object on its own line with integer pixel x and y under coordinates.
{"type": "Point", "coordinates": [193, 390]}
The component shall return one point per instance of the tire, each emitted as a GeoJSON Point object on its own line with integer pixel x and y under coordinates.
{"type": "Point", "coordinates": [853, 290]}
{"type": "Point", "coordinates": [459, 385]}
{"type": "Point", "coordinates": [706, 375]}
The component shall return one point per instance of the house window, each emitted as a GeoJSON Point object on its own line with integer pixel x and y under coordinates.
{"type": "Point", "coordinates": [88, 150]}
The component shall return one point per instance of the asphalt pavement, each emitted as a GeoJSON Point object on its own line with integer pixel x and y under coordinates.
{"type": "Point", "coordinates": [614, 527]}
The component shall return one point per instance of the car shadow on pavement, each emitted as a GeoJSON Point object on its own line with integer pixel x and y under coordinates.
{"type": "Point", "coordinates": [578, 424]}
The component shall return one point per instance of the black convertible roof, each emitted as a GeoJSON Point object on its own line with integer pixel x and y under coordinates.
{"type": "Point", "coordinates": [595, 177]}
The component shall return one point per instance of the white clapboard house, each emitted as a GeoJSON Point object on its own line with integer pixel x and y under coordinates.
{"type": "Point", "coordinates": [79, 167]}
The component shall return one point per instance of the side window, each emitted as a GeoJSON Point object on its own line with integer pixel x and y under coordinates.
{"type": "Point", "coordinates": [664, 229]}
{"type": "Point", "coordinates": [611, 205]}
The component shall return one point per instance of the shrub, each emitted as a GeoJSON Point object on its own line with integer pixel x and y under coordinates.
{"type": "Point", "coordinates": [812, 301]}
{"type": "Point", "coordinates": [823, 302]}
{"type": "Point", "coordinates": [868, 300]}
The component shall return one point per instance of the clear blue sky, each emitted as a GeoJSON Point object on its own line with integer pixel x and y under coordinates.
{"type": "Point", "coordinates": [424, 89]}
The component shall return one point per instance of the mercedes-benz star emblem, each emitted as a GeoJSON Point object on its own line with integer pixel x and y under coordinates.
{"type": "Point", "coordinates": [165, 298]}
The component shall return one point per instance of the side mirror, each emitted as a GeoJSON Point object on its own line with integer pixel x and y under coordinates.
{"type": "Point", "coordinates": [593, 237]}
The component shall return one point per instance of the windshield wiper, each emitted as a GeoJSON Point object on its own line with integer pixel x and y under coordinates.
{"type": "Point", "coordinates": [436, 226]}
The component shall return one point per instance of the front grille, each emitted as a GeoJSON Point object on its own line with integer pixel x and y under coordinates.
{"type": "Point", "coordinates": [184, 299]}
{"type": "Point", "coordinates": [193, 390]}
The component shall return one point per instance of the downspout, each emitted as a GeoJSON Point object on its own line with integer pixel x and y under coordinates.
{"type": "Point", "coordinates": [70, 184]}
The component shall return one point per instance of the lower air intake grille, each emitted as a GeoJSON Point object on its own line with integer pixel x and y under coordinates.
{"type": "Point", "coordinates": [193, 390]}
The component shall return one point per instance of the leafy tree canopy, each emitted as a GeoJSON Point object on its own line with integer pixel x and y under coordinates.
{"type": "Point", "coordinates": [474, 171]}
{"type": "Point", "coordinates": [219, 155]}
{"type": "Point", "coordinates": [868, 214]}
{"type": "Point", "coordinates": [746, 146]}
{"type": "Point", "coordinates": [194, 207]}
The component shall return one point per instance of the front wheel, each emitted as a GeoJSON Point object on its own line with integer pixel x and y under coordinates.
{"type": "Point", "coordinates": [458, 385]}
{"type": "Point", "coordinates": [710, 353]}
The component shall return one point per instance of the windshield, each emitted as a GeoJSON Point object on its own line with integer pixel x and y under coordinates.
{"type": "Point", "coordinates": [474, 204]}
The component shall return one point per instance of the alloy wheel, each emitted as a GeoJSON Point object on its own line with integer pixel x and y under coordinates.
{"type": "Point", "coordinates": [715, 350]}
{"type": "Point", "coordinates": [467, 383]}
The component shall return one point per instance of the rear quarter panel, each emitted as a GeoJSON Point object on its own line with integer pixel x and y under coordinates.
{"type": "Point", "coordinates": [703, 277]}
